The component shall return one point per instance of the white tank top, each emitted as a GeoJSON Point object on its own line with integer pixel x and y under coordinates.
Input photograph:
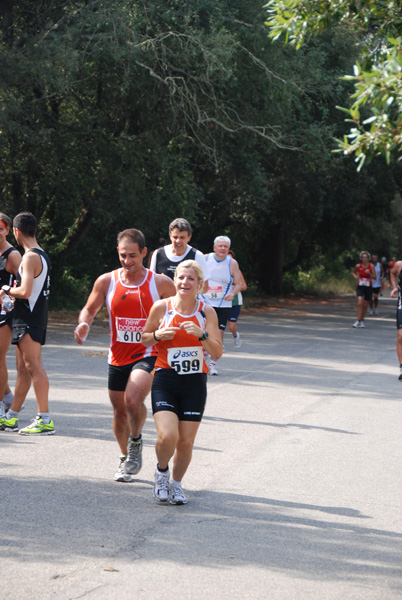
{"type": "Point", "coordinates": [219, 282]}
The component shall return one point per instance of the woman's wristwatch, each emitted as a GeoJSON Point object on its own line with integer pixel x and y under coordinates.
{"type": "Point", "coordinates": [204, 336]}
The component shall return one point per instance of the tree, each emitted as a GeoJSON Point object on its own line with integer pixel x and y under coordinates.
{"type": "Point", "coordinates": [376, 110]}
{"type": "Point", "coordinates": [129, 114]}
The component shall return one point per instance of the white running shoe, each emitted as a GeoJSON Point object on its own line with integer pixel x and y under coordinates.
{"type": "Point", "coordinates": [356, 324]}
{"type": "Point", "coordinates": [237, 340]}
{"type": "Point", "coordinates": [161, 487]}
{"type": "Point", "coordinates": [362, 324]}
{"type": "Point", "coordinates": [212, 369]}
{"type": "Point", "coordinates": [376, 311]}
{"type": "Point", "coordinates": [176, 495]}
{"type": "Point", "coordinates": [121, 474]}
{"type": "Point", "coordinates": [371, 313]}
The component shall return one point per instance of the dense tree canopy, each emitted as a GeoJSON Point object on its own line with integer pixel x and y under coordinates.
{"type": "Point", "coordinates": [129, 114]}
{"type": "Point", "coordinates": [376, 111]}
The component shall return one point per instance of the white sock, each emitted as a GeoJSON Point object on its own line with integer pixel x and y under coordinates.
{"type": "Point", "coordinates": [9, 397]}
{"type": "Point", "coordinates": [174, 483]}
{"type": "Point", "coordinates": [45, 417]}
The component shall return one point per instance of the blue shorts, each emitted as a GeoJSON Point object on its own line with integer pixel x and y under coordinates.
{"type": "Point", "coordinates": [234, 313]}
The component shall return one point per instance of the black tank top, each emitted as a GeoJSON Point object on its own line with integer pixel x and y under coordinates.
{"type": "Point", "coordinates": [6, 278]}
{"type": "Point", "coordinates": [33, 311]}
{"type": "Point", "coordinates": [164, 265]}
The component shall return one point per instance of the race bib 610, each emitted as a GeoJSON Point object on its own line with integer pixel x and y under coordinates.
{"type": "Point", "coordinates": [129, 330]}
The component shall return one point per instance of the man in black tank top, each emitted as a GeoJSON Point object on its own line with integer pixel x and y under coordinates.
{"type": "Point", "coordinates": [166, 259]}
{"type": "Point", "coordinates": [29, 328]}
{"type": "Point", "coordinates": [396, 291]}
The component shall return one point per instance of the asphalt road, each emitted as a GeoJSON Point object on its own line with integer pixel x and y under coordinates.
{"type": "Point", "coordinates": [294, 489]}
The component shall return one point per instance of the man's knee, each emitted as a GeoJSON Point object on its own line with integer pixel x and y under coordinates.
{"type": "Point", "coordinates": [33, 367]}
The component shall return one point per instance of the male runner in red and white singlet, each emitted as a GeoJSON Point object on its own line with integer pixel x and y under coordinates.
{"type": "Point", "coordinates": [129, 293]}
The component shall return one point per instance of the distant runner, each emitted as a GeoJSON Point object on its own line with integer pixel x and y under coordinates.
{"type": "Point", "coordinates": [363, 272]}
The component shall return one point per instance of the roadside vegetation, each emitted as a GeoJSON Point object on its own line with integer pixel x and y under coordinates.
{"type": "Point", "coordinates": [130, 114]}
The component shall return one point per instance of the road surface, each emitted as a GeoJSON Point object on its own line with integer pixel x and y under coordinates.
{"type": "Point", "coordinates": [294, 489]}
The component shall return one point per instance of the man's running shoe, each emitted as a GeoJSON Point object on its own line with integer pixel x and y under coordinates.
{"type": "Point", "coordinates": [212, 369]}
{"type": "Point", "coordinates": [9, 424]}
{"type": "Point", "coordinates": [237, 341]}
{"type": "Point", "coordinates": [362, 324]}
{"type": "Point", "coordinates": [121, 474]}
{"type": "Point", "coordinates": [400, 377]}
{"type": "Point", "coordinates": [134, 456]}
{"type": "Point", "coordinates": [161, 487]}
{"type": "Point", "coordinates": [176, 495]}
{"type": "Point", "coordinates": [356, 324]}
{"type": "Point", "coordinates": [38, 427]}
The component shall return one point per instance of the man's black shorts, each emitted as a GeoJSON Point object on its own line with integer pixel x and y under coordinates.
{"type": "Point", "coordinates": [399, 318]}
{"type": "Point", "coordinates": [37, 334]}
{"type": "Point", "coordinates": [223, 315]}
{"type": "Point", "coordinates": [118, 376]}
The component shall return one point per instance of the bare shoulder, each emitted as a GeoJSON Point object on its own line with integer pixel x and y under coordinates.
{"type": "Point", "coordinates": [102, 282]}
{"type": "Point", "coordinates": [13, 261]}
{"type": "Point", "coordinates": [164, 285]}
{"type": "Point", "coordinates": [158, 308]}
{"type": "Point", "coordinates": [31, 264]}
{"type": "Point", "coordinates": [159, 304]}
{"type": "Point", "coordinates": [209, 311]}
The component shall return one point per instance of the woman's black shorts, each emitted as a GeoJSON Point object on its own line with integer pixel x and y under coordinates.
{"type": "Point", "coordinates": [185, 395]}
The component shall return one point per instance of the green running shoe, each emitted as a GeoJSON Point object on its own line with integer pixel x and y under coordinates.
{"type": "Point", "coordinates": [8, 424]}
{"type": "Point", "coordinates": [38, 427]}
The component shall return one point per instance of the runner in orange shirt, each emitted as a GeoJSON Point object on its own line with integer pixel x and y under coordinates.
{"type": "Point", "coordinates": [186, 330]}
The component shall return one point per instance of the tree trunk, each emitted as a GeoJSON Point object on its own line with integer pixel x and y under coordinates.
{"type": "Point", "coordinates": [271, 265]}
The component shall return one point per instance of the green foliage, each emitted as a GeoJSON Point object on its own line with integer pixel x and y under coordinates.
{"type": "Point", "coordinates": [325, 277]}
{"type": "Point", "coordinates": [377, 77]}
{"type": "Point", "coordinates": [129, 114]}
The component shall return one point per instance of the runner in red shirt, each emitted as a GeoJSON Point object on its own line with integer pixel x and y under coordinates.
{"type": "Point", "coordinates": [363, 272]}
{"type": "Point", "coordinates": [129, 293]}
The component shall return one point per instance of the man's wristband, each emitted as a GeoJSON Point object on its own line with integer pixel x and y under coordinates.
{"type": "Point", "coordinates": [155, 338]}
